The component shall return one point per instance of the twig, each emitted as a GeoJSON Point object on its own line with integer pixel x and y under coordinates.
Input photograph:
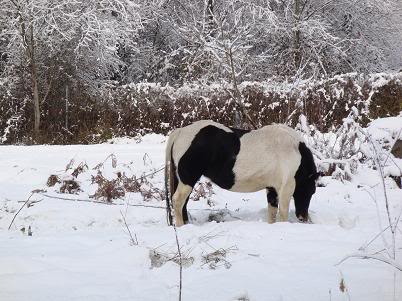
{"type": "Point", "coordinates": [241, 105]}
{"type": "Point", "coordinates": [381, 171]}
{"type": "Point", "coordinates": [12, 221]}
{"type": "Point", "coordinates": [366, 245]}
{"type": "Point", "coordinates": [386, 260]}
{"type": "Point", "coordinates": [384, 240]}
{"type": "Point", "coordinates": [134, 239]}
{"type": "Point", "coordinates": [100, 202]}
{"type": "Point", "coordinates": [132, 205]}
{"type": "Point", "coordinates": [180, 260]}
{"type": "Point", "coordinates": [152, 173]}
{"type": "Point", "coordinates": [114, 162]}
{"type": "Point", "coordinates": [391, 259]}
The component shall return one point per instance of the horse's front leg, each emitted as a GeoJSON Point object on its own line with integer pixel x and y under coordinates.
{"type": "Point", "coordinates": [179, 200]}
{"type": "Point", "coordinates": [272, 198]}
{"type": "Point", "coordinates": [285, 194]}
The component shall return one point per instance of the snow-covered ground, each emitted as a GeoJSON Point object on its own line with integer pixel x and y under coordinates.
{"type": "Point", "coordinates": [82, 250]}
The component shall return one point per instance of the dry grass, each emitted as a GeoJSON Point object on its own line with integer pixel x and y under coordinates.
{"type": "Point", "coordinates": [217, 258]}
{"type": "Point", "coordinates": [107, 189]}
{"type": "Point", "coordinates": [117, 188]}
{"type": "Point", "coordinates": [70, 186]}
{"type": "Point", "coordinates": [82, 167]}
{"type": "Point", "coordinates": [52, 180]}
{"type": "Point", "coordinates": [159, 258]}
{"type": "Point", "coordinates": [203, 190]}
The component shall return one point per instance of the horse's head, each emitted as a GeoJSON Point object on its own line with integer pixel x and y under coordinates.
{"type": "Point", "coordinates": [303, 194]}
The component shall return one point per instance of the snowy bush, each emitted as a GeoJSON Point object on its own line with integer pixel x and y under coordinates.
{"type": "Point", "coordinates": [142, 108]}
{"type": "Point", "coordinates": [151, 107]}
{"type": "Point", "coordinates": [339, 152]}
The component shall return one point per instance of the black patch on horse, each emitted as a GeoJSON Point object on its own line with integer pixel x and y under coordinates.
{"type": "Point", "coordinates": [305, 177]}
{"type": "Point", "coordinates": [212, 153]}
{"type": "Point", "coordinates": [272, 197]}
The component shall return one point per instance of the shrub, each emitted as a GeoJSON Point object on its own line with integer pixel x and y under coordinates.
{"type": "Point", "coordinates": [137, 109]}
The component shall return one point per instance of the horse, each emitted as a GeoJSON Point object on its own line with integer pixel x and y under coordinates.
{"type": "Point", "coordinates": [274, 157]}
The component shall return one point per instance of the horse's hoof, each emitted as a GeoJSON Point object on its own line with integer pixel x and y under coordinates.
{"type": "Point", "coordinates": [303, 219]}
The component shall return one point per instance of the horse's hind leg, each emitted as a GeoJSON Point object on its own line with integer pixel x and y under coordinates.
{"type": "Point", "coordinates": [272, 197]}
{"type": "Point", "coordinates": [179, 201]}
{"type": "Point", "coordinates": [184, 211]}
{"type": "Point", "coordinates": [285, 194]}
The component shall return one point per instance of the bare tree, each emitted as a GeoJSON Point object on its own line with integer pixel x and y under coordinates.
{"type": "Point", "coordinates": [84, 37]}
{"type": "Point", "coordinates": [300, 38]}
{"type": "Point", "coordinates": [371, 28]}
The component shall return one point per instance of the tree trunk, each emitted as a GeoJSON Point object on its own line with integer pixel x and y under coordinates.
{"type": "Point", "coordinates": [210, 22]}
{"type": "Point", "coordinates": [67, 95]}
{"type": "Point", "coordinates": [210, 14]}
{"type": "Point", "coordinates": [296, 39]}
{"type": "Point", "coordinates": [35, 99]}
{"type": "Point", "coordinates": [29, 45]}
{"type": "Point", "coordinates": [237, 94]}
{"type": "Point", "coordinates": [34, 79]}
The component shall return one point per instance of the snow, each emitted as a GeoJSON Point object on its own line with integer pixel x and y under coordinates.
{"type": "Point", "coordinates": [82, 250]}
{"type": "Point", "coordinates": [381, 128]}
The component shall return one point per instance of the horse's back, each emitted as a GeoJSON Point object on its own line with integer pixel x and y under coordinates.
{"type": "Point", "coordinates": [267, 155]}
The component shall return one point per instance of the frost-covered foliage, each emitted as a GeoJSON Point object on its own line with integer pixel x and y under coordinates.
{"type": "Point", "coordinates": [371, 29]}
{"type": "Point", "coordinates": [50, 46]}
{"type": "Point", "coordinates": [155, 107]}
{"type": "Point", "coordinates": [149, 107]}
{"type": "Point", "coordinates": [176, 41]}
{"type": "Point", "coordinates": [341, 151]}
{"type": "Point", "coordinates": [59, 54]}
{"type": "Point", "coordinates": [302, 38]}
{"type": "Point", "coordinates": [74, 40]}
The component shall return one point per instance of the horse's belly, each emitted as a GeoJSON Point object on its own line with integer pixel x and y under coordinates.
{"type": "Point", "coordinates": [250, 184]}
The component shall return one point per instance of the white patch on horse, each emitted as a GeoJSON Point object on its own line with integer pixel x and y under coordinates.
{"type": "Point", "coordinates": [267, 156]}
{"type": "Point", "coordinates": [179, 198]}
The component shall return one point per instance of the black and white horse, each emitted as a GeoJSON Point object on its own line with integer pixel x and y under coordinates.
{"type": "Point", "coordinates": [274, 158]}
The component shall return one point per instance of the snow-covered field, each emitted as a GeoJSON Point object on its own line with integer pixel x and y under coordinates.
{"type": "Point", "coordinates": [83, 251]}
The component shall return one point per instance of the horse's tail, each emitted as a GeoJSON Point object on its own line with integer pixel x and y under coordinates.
{"type": "Point", "coordinates": [170, 175]}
